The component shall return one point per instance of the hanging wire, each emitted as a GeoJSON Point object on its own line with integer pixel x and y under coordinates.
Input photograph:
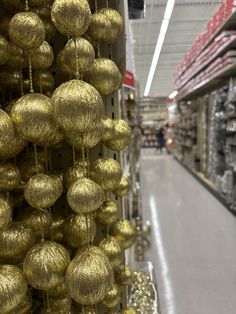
{"type": "Point", "coordinates": [73, 154]}
{"type": "Point", "coordinates": [107, 5]}
{"type": "Point", "coordinates": [26, 5]}
{"type": "Point", "coordinates": [96, 5]}
{"type": "Point", "coordinates": [36, 158]}
{"type": "Point", "coordinates": [30, 75]}
{"type": "Point", "coordinates": [46, 158]}
{"type": "Point", "coordinates": [21, 83]}
{"type": "Point", "coordinates": [99, 50]}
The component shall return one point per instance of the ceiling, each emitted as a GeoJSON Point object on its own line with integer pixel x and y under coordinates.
{"type": "Point", "coordinates": [188, 20]}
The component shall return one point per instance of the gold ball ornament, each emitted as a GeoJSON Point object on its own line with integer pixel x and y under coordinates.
{"type": "Point", "coordinates": [73, 174]}
{"type": "Point", "coordinates": [77, 106]}
{"type": "Point", "coordinates": [43, 80]}
{"type": "Point", "coordinates": [11, 147]}
{"type": "Point", "coordinates": [56, 228]}
{"type": "Point", "coordinates": [41, 57]}
{"type": "Point", "coordinates": [13, 287]}
{"type": "Point", "coordinates": [16, 57]}
{"type": "Point", "coordinates": [79, 229]}
{"type": "Point", "coordinates": [32, 116]}
{"type": "Point", "coordinates": [99, 27]}
{"type": "Point", "coordinates": [6, 127]}
{"type": "Point", "coordinates": [45, 265]}
{"type": "Point", "coordinates": [123, 188]}
{"type": "Point", "coordinates": [71, 17]}
{"type": "Point", "coordinates": [42, 191]}
{"type": "Point", "coordinates": [90, 269]}
{"type": "Point", "coordinates": [54, 139]}
{"type": "Point", "coordinates": [15, 242]}
{"type": "Point", "coordinates": [28, 168]}
{"type": "Point", "coordinates": [124, 231]}
{"type": "Point", "coordinates": [62, 64]}
{"type": "Point", "coordinates": [26, 30]}
{"type": "Point", "coordinates": [57, 291]}
{"type": "Point", "coordinates": [113, 251]}
{"type": "Point", "coordinates": [85, 196]}
{"type": "Point", "coordinates": [113, 298]}
{"type": "Point", "coordinates": [108, 129]}
{"type": "Point", "coordinates": [5, 214]}
{"type": "Point", "coordinates": [50, 29]}
{"type": "Point", "coordinates": [10, 176]}
{"type": "Point", "coordinates": [107, 213]}
{"type": "Point", "coordinates": [107, 173]}
{"type": "Point", "coordinates": [61, 304]}
{"type": "Point", "coordinates": [24, 306]}
{"type": "Point", "coordinates": [104, 75]}
{"type": "Point", "coordinates": [121, 136]}
{"type": "Point", "coordinates": [129, 310]}
{"type": "Point", "coordinates": [124, 275]}
{"type": "Point", "coordinates": [4, 50]}
{"type": "Point", "coordinates": [117, 24]}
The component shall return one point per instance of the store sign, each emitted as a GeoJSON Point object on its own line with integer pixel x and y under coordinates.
{"type": "Point", "coordinates": [129, 80]}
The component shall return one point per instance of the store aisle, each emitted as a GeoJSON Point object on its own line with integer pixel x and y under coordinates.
{"type": "Point", "coordinates": [193, 240]}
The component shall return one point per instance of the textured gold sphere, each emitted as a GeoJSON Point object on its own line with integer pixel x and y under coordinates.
{"type": "Point", "coordinates": [4, 50]}
{"type": "Point", "coordinates": [82, 48]}
{"type": "Point", "coordinates": [61, 304]}
{"type": "Point", "coordinates": [62, 64]}
{"type": "Point", "coordinates": [85, 196]}
{"type": "Point", "coordinates": [10, 176]}
{"type": "Point", "coordinates": [99, 27]}
{"type": "Point", "coordinates": [108, 129]}
{"type": "Point", "coordinates": [113, 298]}
{"type": "Point", "coordinates": [42, 191]}
{"type": "Point", "coordinates": [56, 228]}
{"type": "Point", "coordinates": [107, 173]}
{"type": "Point", "coordinates": [25, 306]}
{"type": "Point", "coordinates": [77, 106]}
{"type": "Point", "coordinates": [90, 269]}
{"type": "Point", "coordinates": [117, 24]}
{"type": "Point", "coordinates": [5, 214]}
{"type": "Point", "coordinates": [39, 221]}
{"type": "Point", "coordinates": [107, 213]}
{"type": "Point", "coordinates": [28, 168]}
{"type": "Point", "coordinates": [16, 57]}
{"type": "Point", "coordinates": [121, 135]}
{"type": "Point", "coordinates": [41, 57]}
{"type": "Point", "coordinates": [6, 127]}
{"type": "Point", "coordinates": [124, 275]}
{"type": "Point", "coordinates": [129, 310]}
{"type": "Point", "coordinates": [57, 291]}
{"type": "Point", "coordinates": [45, 265]}
{"type": "Point", "coordinates": [11, 147]}
{"type": "Point", "coordinates": [15, 242]}
{"type": "Point", "coordinates": [73, 174]}
{"type": "Point", "coordinates": [123, 188]}
{"type": "Point", "coordinates": [54, 139]}
{"type": "Point", "coordinates": [13, 287]}
{"type": "Point", "coordinates": [79, 229]}
{"type": "Point", "coordinates": [26, 30]}
{"type": "Point", "coordinates": [71, 17]}
{"type": "Point", "coordinates": [50, 29]}
{"type": "Point", "coordinates": [113, 251]}
{"type": "Point", "coordinates": [124, 231]}
{"type": "Point", "coordinates": [104, 75]}
{"type": "Point", "coordinates": [43, 80]}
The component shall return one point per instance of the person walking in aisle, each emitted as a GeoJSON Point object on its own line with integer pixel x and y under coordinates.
{"type": "Point", "coordinates": [161, 139]}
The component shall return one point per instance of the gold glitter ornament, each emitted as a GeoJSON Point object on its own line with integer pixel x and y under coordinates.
{"type": "Point", "coordinates": [104, 75]}
{"type": "Point", "coordinates": [117, 24]}
{"type": "Point", "coordinates": [108, 129]}
{"type": "Point", "coordinates": [61, 304]}
{"type": "Point", "coordinates": [121, 135]}
{"type": "Point", "coordinates": [124, 231]}
{"type": "Point", "coordinates": [4, 50]}
{"type": "Point", "coordinates": [54, 139]}
{"type": "Point", "coordinates": [42, 191]}
{"type": "Point", "coordinates": [11, 147]}
{"type": "Point", "coordinates": [107, 173]}
{"type": "Point", "coordinates": [90, 269]}
{"type": "Point", "coordinates": [41, 57]}
{"type": "Point", "coordinates": [32, 117]}
{"type": "Point", "coordinates": [24, 306]}
{"type": "Point", "coordinates": [45, 265]}
{"type": "Point", "coordinates": [123, 188]}
{"type": "Point", "coordinates": [39, 221]}
{"type": "Point", "coordinates": [113, 251]}
{"type": "Point", "coordinates": [107, 213]}
{"type": "Point", "coordinates": [82, 48]}
{"type": "Point", "coordinates": [15, 242]}
{"type": "Point", "coordinates": [89, 38]}
{"type": "Point", "coordinates": [56, 228]}
{"type": "Point", "coordinates": [26, 30]}
{"type": "Point", "coordinates": [43, 80]}
{"type": "Point", "coordinates": [71, 17]}
{"type": "Point", "coordinates": [57, 291]}
{"type": "Point", "coordinates": [50, 29]}
{"type": "Point", "coordinates": [13, 287]}
{"type": "Point", "coordinates": [10, 176]}
{"type": "Point", "coordinates": [129, 310]}
{"type": "Point", "coordinates": [6, 127]}
{"type": "Point", "coordinates": [99, 27]}
{"type": "Point", "coordinates": [73, 174]}
{"type": "Point", "coordinates": [113, 298]}
{"type": "Point", "coordinates": [5, 214]}
{"type": "Point", "coordinates": [16, 57]}
{"type": "Point", "coordinates": [124, 275]}
{"type": "Point", "coordinates": [79, 229]}
{"type": "Point", "coordinates": [85, 196]}
{"type": "Point", "coordinates": [28, 168]}
{"type": "Point", "coordinates": [77, 106]}
{"type": "Point", "coordinates": [62, 64]}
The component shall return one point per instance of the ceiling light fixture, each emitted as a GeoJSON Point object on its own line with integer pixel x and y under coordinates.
{"type": "Point", "coordinates": [164, 26]}
{"type": "Point", "coordinates": [173, 94]}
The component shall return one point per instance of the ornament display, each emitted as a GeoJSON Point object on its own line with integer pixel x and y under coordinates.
{"type": "Point", "coordinates": [79, 229]}
{"type": "Point", "coordinates": [85, 196]}
{"type": "Point", "coordinates": [113, 298]}
{"type": "Point", "coordinates": [13, 287]}
{"type": "Point", "coordinates": [108, 129]}
{"type": "Point", "coordinates": [16, 57]}
{"type": "Point", "coordinates": [28, 168]}
{"type": "Point", "coordinates": [43, 80]}
{"type": "Point", "coordinates": [113, 251]}
{"type": "Point", "coordinates": [124, 275]}
{"type": "Point", "coordinates": [104, 75]}
{"type": "Point", "coordinates": [77, 106]}
{"type": "Point", "coordinates": [41, 57]}
{"type": "Point", "coordinates": [42, 191]}
{"type": "Point", "coordinates": [4, 48]}
{"type": "Point", "coordinates": [45, 265]}
{"type": "Point", "coordinates": [123, 188]}
{"type": "Point", "coordinates": [91, 269]}
{"type": "Point", "coordinates": [121, 135]}
{"type": "Point", "coordinates": [107, 173]}
{"type": "Point", "coordinates": [71, 17]}
{"type": "Point", "coordinates": [99, 27]}
{"type": "Point", "coordinates": [5, 214]}
{"type": "Point", "coordinates": [15, 242]}
{"type": "Point", "coordinates": [107, 213]}
{"type": "Point", "coordinates": [124, 231]}
{"type": "Point", "coordinates": [26, 30]}
{"type": "Point", "coordinates": [55, 233]}
{"type": "Point", "coordinates": [73, 174]}
{"type": "Point", "coordinates": [10, 176]}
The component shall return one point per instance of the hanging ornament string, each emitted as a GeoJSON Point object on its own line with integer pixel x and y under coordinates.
{"type": "Point", "coordinates": [36, 158]}
{"type": "Point", "coordinates": [30, 75]}
{"type": "Point", "coordinates": [73, 154]}
{"type": "Point", "coordinates": [40, 83]}
{"type": "Point", "coordinates": [88, 162]}
{"type": "Point", "coordinates": [46, 158]}
{"type": "Point", "coordinates": [21, 83]}
{"type": "Point", "coordinates": [96, 5]}
{"type": "Point", "coordinates": [107, 4]}
{"type": "Point", "coordinates": [26, 5]}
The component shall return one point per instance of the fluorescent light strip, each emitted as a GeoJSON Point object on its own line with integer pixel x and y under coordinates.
{"type": "Point", "coordinates": [173, 94]}
{"type": "Point", "coordinates": [164, 26]}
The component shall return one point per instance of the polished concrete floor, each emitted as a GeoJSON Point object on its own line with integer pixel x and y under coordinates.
{"type": "Point", "coordinates": [193, 240]}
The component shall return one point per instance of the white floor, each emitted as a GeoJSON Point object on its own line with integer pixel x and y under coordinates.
{"type": "Point", "coordinates": [193, 240]}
